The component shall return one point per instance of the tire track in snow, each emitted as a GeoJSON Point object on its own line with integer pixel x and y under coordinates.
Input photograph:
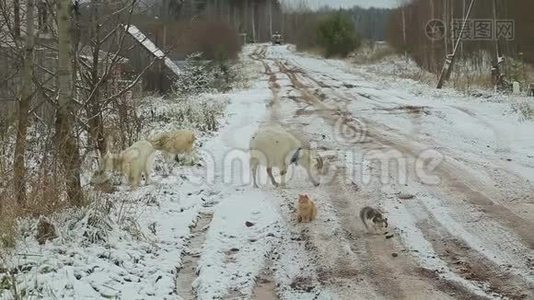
{"type": "Point", "coordinates": [236, 260]}
{"type": "Point", "coordinates": [301, 86]}
{"type": "Point", "coordinates": [318, 268]}
{"type": "Point", "coordinates": [483, 238]}
{"type": "Point", "coordinates": [487, 275]}
{"type": "Point", "coordinates": [475, 190]}
{"type": "Point", "coordinates": [188, 271]}
{"type": "Point", "coordinates": [478, 248]}
{"type": "Point", "coordinates": [389, 288]}
{"type": "Point", "coordinates": [238, 243]}
{"type": "Point", "coordinates": [315, 259]}
{"type": "Point", "coordinates": [314, 99]}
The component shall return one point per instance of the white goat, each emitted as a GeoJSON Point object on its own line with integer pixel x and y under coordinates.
{"type": "Point", "coordinates": [174, 143]}
{"type": "Point", "coordinates": [274, 147]}
{"type": "Point", "coordinates": [131, 162]}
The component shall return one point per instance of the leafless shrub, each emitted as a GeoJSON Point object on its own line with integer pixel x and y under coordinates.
{"type": "Point", "coordinates": [200, 76]}
{"type": "Point", "coordinates": [45, 190]}
{"type": "Point", "coordinates": [197, 77]}
{"type": "Point", "coordinates": [8, 283]}
{"type": "Point", "coordinates": [472, 72]}
{"type": "Point", "coordinates": [524, 109]}
{"type": "Point", "coordinates": [200, 113]}
{"type": "Point", "coordinates": [124, 123]}
{"type": "Point", "coordinates": [93, 222]}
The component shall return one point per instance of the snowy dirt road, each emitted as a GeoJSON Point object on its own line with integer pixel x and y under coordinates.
{"type": "Point", "coordinates": [453, 174]}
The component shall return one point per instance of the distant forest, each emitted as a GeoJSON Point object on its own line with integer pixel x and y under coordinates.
{"type": "Point", "coordinates": [371, 23]}
{"type": "Point", "coordinates": [430, 53]}
{"type": "Point", "coordinates": [255, 18]}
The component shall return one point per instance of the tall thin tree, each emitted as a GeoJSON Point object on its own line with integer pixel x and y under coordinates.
{"type": "Point", "coordinates": [67, 142]}
{"type": "Point", "coordinates": [16, 18]}
{"type": "Point", "coordinates": [24, 106]}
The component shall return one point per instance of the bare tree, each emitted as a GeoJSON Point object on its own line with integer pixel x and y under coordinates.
{"type": "Point", "coordinates": [105, 40]}
{"type": "Point", "coordinates": [24, 106]}
{"type": "Point", "coordinates": [67, 142]}
{"type": "Point", "coordinates": [16, 18]}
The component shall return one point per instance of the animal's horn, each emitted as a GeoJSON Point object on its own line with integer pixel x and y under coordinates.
{"type": "Point", "coordinates": [109, 143]}
{"type": "Point", "coordinates": [320, 162]}
{"type": "Point", "coordinates": [295, 157]}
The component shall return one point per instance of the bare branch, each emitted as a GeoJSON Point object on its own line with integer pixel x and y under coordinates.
{"type": "Point", "coordinates": [129, 87]}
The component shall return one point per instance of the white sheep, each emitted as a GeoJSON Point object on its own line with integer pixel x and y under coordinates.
{"type": "Point", "coordinates": [272, 146]}
{"type": "Point", "coordinates": [174, 143]}
{"type": "Point", "coordinates": [132, 162]}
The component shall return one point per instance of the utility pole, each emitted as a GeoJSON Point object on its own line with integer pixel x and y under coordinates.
{"type": "Point", "coordinates": [451, 21]}
{"type": "Point", "coordinates": [449, 60]}
{"type": "Point", "coordinates": [404, 32]}
{"type": "Point", "coordinates": [283, 27]}
{"type": "Point", "coordinates": [253, 23]}
{"type": "Point", "coordinates": [271, 17]}
{"type": "Point", "coordinates": [430, 62]}
{"type": "Point", "coordinates": [163, 47]}
{"type": "Point", "coordinates": [497, 70]}
{"type": "Point", "coordinates": [446, 21]}
{"type": "Point", "coordinates": [495, 22]}
{"type": "Point", "coordinates": [463, 16]}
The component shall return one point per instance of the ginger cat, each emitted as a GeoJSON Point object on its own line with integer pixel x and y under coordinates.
{"type": "Point", "coordinates": [306, 210]}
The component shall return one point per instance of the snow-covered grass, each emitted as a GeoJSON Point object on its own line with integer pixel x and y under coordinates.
{"type": "Point", "coordinates": [201, 113]}
{"type": "Point", "coordinates": [524, 108]}
{"type": "Point", "coordinates": [126, 244]}
{"type": "Point", "coordinates": [130, 244]}
{"type": "Point", "coordinates": [471, 75]}
{"type": "Point", "coordinates": [371, 53]}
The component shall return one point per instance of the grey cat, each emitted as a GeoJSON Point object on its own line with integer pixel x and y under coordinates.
{"type": "Point", "coordinates": [369, 213]}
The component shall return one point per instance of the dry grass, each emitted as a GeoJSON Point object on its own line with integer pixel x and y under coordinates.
{"type": "Point", "coordinates": [315, 51]}
{"type": "Point", "coordinates": [468, 74]}
{"type": "Point", "coordinates": [44, 198]}
{"type": "Point", "coordinates": [45, 193]}
{"type": "Point", "coordinates": [469, 81]}
{"type": "Point", "coordinates": [524, 109]}
{"type": "Point", "coordinates": [370, 53]}
{"type": "Point", "coordinates": [8, 222]}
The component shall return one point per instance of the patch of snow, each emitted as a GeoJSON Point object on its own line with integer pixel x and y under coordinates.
{"type": "Point", "coordinates": [234, 254]}
{"type": "Point", "coordinates": [405, 219]}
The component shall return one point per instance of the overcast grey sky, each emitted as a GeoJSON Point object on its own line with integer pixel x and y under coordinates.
{"type": "Point", "coordinates": [348, 3]}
